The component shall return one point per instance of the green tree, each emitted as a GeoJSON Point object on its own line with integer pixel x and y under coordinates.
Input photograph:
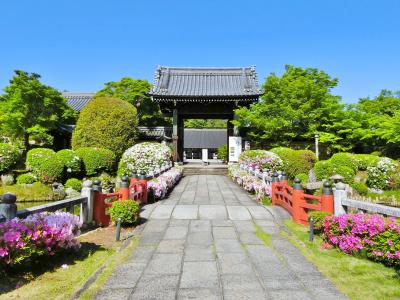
{"type": "Point", "coordinates": [30, 108]}
{"type": "Point", "coordinates": [294, 107]}
{"type": "Point", "coordinates": [135, 92]}
{"type": "Point", "coordinates": [108, 123]}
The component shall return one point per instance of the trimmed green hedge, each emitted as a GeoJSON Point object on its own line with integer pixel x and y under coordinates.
{"type": "Point", "coordinates": [366, 160]}
{"type": "Point", "coordinates": [126, 210]}
{"type": "Point", "coordinates": [344, 159]}
{"type": "Point", "coordinates": [27, 178]}
{"type": "Point", "coordinates": [323, 169]}
{"type": "Point", "coordinates": [106, 122]}
{"type": "Point", "coordinates": [295, 161]}
{"type": "Point", "coordinates": [44, 164]}
{"type": "Point", "coordinates": [96, 160]}
{"type": "Point", "coordinates": [74, 183]}
{"type": "Point", "coordinates": [71, 161]}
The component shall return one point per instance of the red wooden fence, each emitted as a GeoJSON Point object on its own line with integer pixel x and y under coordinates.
{"type": "Point", "coordinates": [298, 203]}
{"type": "Point", "coordinates": [135, 189]}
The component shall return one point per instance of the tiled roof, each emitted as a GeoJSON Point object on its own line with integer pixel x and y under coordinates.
{"type": "Point", "coordinates": [78, 100]}
{"type": "Point", "coordinates": [215, 84]}
{"type": "Point", "coordinates": [204, 138]}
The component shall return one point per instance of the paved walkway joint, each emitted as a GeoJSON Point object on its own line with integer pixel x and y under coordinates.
{"type": "Point", "coordinates": [200, 243]}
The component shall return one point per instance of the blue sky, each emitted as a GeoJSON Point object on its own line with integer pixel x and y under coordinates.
{"type": "Point", "coordinates": [78, 45]}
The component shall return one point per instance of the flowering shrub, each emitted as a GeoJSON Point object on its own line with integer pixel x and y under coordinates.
{"type": "Point", "coordinates": [250, 183]}
{"type": "Point", "coordinates": [38, 235]}
{"type": "Point", "coordinates": [9, 155]}
{"type": "Point", "coordinates": [165, 182]}
{"type": "Point", "coordinates": [71, 161]}
{"type": "Point", "coordinates": [44, 164]}
{"type": "Point", "coordinates": [379, 176]}
{"type": "Point", "coordinates": [261, 159]}
{"type": "Point", "coordinates": [373, 235]}
{"type": "Point", "coordinates": [144, 157]}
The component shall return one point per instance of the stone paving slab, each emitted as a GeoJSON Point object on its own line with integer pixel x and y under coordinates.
{"type": "Point", "coordinates": [200, 243]}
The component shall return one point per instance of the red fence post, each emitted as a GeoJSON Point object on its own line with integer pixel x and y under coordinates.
{"type": "Point", "coordinates": [297, 200]}
{"type": "Point", "coordinates": [124, 187]}
{"type": "Point", "coordinates": [327, 201]}
{"type": "Point", "coordinates": [275, 182]}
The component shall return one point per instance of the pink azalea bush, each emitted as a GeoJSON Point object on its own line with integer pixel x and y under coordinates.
{"type": "Point", "coordinates": [261, 159]}
{"type": "Point", "coordinates": [165, 182]}
{"type": "Point", "coordinates": [373, 235]}
{"type": "Point", "coordinates": [38, 235]}
{"type": "Point", "coordinates": [250, 183]}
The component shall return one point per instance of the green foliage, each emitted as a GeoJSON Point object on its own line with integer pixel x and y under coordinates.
{"type": "Point", "coordinates": [127, 210]}
{"type": "Point", "coordinates": [32, 192]}
{"type": "Point", "coordinates": [318, 217]}
{"type": "Point", "coordinates": [266, 200]}
{"type": "Point", "coordinates": [44, 164]}
{"type": "Point", "coordinates": [71, 161]}
{"type": "Point", "coordinates": [30, 108]}
{"type": "Point", "coordinates": [222, 152]}
{"type": "Point", "coordinates": [106, 122]}
{"type": "Point", "coordinates": [347, 172]}
{"type": "Point", "coordinates": [74, 183]}
{"type": "Point", "coordinates": [135, 91]}
{"type": "Point", "coordinates": [323, 169]}
{"type": "Point", "coordinates": [344, 159]}
{"type": "Point", "coordinates": [205, 123]}
{"type": "Point", "coordinates": [295, 161]}
{"type": "Point", "coordinates": [9, 156]}
{"type": "Point", "coordinates": [96, 160]}
{"type": "Point", "coordinates": [303, 177]}
{"type": "Point", "coordinates": [366, 160]}
{"type": "Point", "coordinates": [361, 188]}
{"type": "Point", "coordinates": [27, 178]}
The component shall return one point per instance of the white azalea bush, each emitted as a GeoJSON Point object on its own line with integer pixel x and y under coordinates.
{"type": "Point", "coordinates": [250, 183]}
{"type": "Point", "coordinates": [261, 159]}
{"type": "Point", "coordinates": [161, 185]}
{"type": "Point", "coordinates": [9, 156]}
{"type": "Point", "coordinates": [379, 176]}
{"type": "Point", "coordinates": [144, 158]}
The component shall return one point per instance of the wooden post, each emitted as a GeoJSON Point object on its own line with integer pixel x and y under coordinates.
{"type": "Point", "coordinates": [124, 187]}
{"type": "Point", "coordinates": [327, 203]}
{"type": "Point", "coordinates": [275, 181]}
{"type": "Point", "coordinates": [297, 199]}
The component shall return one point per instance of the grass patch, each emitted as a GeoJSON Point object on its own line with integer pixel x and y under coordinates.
{"type": "Point", "coordinates": [30, 192]}
{"type": "Point", "coordinates": [266, 201]}
{"type": "Point", "coordinates": [49, 280]}
{"type": "Point", "coordinates": [265, 237]}
{"type": "Point", "coordinates": [358, 278]}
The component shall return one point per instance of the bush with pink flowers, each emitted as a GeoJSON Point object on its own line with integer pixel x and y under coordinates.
{"type": "Point", "coordinates": [42, 234]}
{"type": "Point", "coordinates": [164, 183]}
{"type": "Point", "coordinates": [374, 236]}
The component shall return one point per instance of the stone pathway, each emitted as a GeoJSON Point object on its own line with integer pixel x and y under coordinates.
{"type": "Point", "coordinates": [200, 243]}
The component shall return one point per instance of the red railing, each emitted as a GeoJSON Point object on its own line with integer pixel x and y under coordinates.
{"type": "Point", "coordinates": [136, 190]}
{"type": "Point", "coordinates": [297, 203]}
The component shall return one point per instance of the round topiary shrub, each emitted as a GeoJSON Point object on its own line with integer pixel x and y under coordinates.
{"type": "Point", "coordinates": [303, 177]}
{"type": "Point", "coordinates": [295, 161]}
{"type": "Point", "coordinates": [319, 217]}
{"type": "Point", "coordinates": [347, 173]}
{"type": "Point", "coordinates": [71, 161]}
{"type": "Point", "coordinates": [261, 159]}
{"type": "Point", "coordinates": [126, 210]}
{"type": "Point", "coordinates": [344, 159]}
{"type": "Point", "coordinates": [107, 122]}
{"type": "Point", "coordinates": [323, 169]}
{"type": "Point", "coordinates": [27, 178]}
{"type": "Point", "coordinates": [73, 183]}
{"type": "Point", "coordinates": [44, 164]}
{"type": "Point", "coordinates": [9, 156]}
{"type": "Point", "coordinates": [96, 160]}
{"type": "Point", "coordinates": [144, 157]}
